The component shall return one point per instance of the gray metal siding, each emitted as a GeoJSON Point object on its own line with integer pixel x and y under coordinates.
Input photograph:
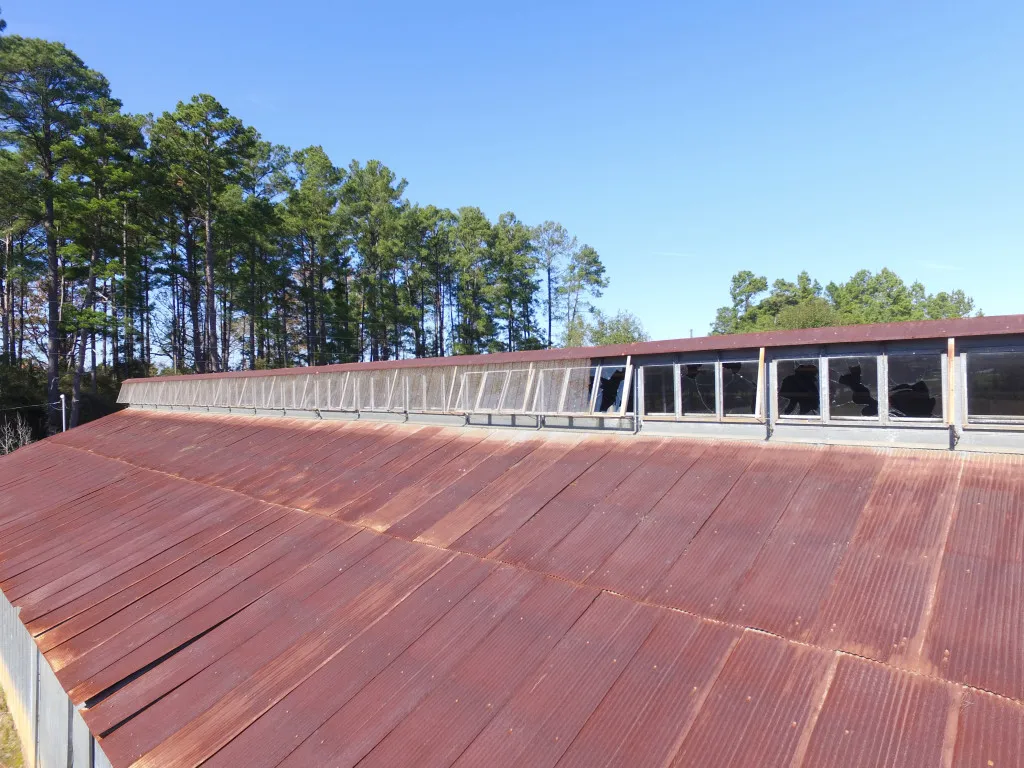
{"type": "Point", "coordinates": [51, 731]}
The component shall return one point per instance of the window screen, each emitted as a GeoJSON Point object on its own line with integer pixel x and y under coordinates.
{"type": "Point", "coordinates": [697, 389]}
{"type": "Point", "coordinates": [853, 387]}
{"type": "Point", "coordinates": [739, 388]}
{"type": "Point", "coordinates": [995, 384]}
{"type": "Point", "coordinates": [491, 388]}
{"type": "Point", "coordinates": [659, 391]}
{"type": "Point", "coordinates": [915, 386]}
{"type": "Point", "coordinates": [798, 387]}
{"type": "Point", "coordinates": [577, 394]}
{"type": "Point", "coordinates": [548, 390]}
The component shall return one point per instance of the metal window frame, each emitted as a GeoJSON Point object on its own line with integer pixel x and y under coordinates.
{"type": "Point", "coordinates": [759, 373]}
{"type": "Point", "coordinates": [779, 416]}
{"type": "Point", "coordinates": [982, 421]}
{"type": "Point", "coordinates": [716, 370]}
{"type": "Point", "coordinates": [596, 389]}
{"type": "Point", "coordinates": [826, 400]}
{"type": "Point", "coordinates": [504, 406]}
{"type": "Point", "coordinates": [626, 381]}
{"type": "Point", "coordinates": [642, 379]}
{"type": "Point", "coordinates": [912, 421]}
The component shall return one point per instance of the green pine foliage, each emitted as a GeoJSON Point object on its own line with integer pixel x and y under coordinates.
{"type": "Point", "coordinates": [135, 245]}
{"type": "Point", "coordinates": [867, 297]}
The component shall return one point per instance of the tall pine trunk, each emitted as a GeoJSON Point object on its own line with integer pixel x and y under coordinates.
{"type": "Point", "coordinates": [6, 295]}
{"type": "Point", "coordinates": [199, 359]}
{"type": "Point", "coordinates": [83, 335]}
{"type": "Point", "coordinates": [53, 417]}
{"type": "Point", "coordinates": [211, 304]}
{"type": "Point", "coordinates": [550, 306]}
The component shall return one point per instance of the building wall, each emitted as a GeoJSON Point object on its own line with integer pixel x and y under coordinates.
{"type": "Point", "coordinates": [52, 732]}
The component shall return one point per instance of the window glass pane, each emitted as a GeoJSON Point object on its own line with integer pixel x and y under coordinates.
{"type": "Point", "coordinates": [853, 387]}
{"type": "Point", "coordinates": [995, 384]}
{"type": "Point", "coordinates": [659, 393]}
{"type": "Point", "coordinates": [915, 386]}
{"type": "Point", "coordinates": [697, 385]}
{"type": "Point", "coordinates": [609, 389]}
{"type": "Point", "coordinates": [739, 388]}
{"type": "Point", "coordinates": [798, 387]}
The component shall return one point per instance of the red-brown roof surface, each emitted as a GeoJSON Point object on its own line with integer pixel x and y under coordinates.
{"type": "Point", "coordinates": [228, 590]}
{"type": "Point", "coordinates": [997, 325]}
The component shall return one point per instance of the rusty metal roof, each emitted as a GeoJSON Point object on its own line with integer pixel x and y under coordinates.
{"type": "Point", "coordinates": [997, 325]}
{"type": "Point", "coordinates": [227, 590]}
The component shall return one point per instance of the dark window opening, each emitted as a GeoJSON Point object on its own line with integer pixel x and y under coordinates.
{"type": "Point", "coordinates": [739, 388]}
{"type": "Point", "coordinates": [995, 384]}
{"type": "Point", "coordinates": [697, 387]}
{"type": "Point", "coordinates": [853, 387]}
{"type": "Point", "coordinates": [609, 389]}
{"type": "Point", "coordinates": [798, 387]}
{"type": "Point", "coordinates": [659, 390]}
{"type": "Point", "coordinates": [915, 386]}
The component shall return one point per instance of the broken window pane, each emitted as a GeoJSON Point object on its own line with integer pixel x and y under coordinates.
{"type": "Point", "coordinates": [915, 386]}
{"type": "Point", "coordinates": [853, 387]}
{"type": "Point", "coordinates": [697, 388]}
{"type": "Point", "coordinates": [798, 387]}
{"type": "Point", "coordinates": [609, 389]}
{"type": "Point", "coordinates": [659, 389]}
{"type": "Point", "coordinates": [995, 384]}
{"type": "Point", "coordinates": [739, 388]}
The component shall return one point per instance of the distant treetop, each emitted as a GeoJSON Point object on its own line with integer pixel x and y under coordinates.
{"type": "Point", "coordinates": [866, 297]}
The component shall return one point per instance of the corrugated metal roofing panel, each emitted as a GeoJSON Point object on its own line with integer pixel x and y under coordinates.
{"type": "Point", "coordinates": [609, 522]}
{"type": "Point", "coordinates": [171, 571]}
{"type": "Point", "coordinates": [977, 628]}
{"type": "Point", "coordinates": [460, 519]}
{"type": "Point", "coordinates": [275, 615]}
{"type": "Point", "coordinates": [572, 681]}
{"type": "Point", "coordinates": [704, 579]}
{"type": "Point", "coordinates": [758, 707]}
{"type": "Point", "coordinates": [403, 489]}
{"type": "Point", "coordinates": [656, 699]}
{"type": "Point", "coordinates": [879, 596]}
{"type": "Point", "coordinates": [990, 732]}
{"type": "Point", "coordinates": [323, 667]}
{"type": "Point", "coordinates": [442, 493]}
{"type": "Point", "coordinates": [445, 723]}
{"type": "Point", "coordinates": [67, 620]}
{"type": "Point", "coordinates": [529, 543]}
{"type": "Point", "coordinates": [519, 507]}
{"type": "Point", "coordinates": [361, 721]}
{"type": "Point", "coordinates": [240, 685]}
{"type": "Point", "coordinates": [786, 584]}
{"type": "Point", "coordinates": [875, 715]}
{"type": "Point", "coordinates": [661, 537]}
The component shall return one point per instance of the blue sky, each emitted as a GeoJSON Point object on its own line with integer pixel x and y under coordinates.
{"type": "Point", "coordinates": [684, 141]}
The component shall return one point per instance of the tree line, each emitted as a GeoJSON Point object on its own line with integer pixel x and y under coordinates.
{"type": "Point", "coordinates": [186, 242]}
{"type": "Point", "coordinates": [867, 297]}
